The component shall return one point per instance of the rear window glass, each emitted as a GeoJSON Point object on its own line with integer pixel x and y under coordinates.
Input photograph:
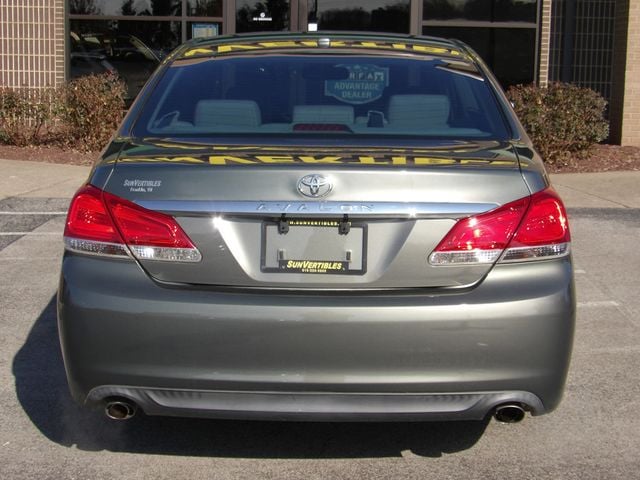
{"type": "Point", "coordinates": [322, 94]}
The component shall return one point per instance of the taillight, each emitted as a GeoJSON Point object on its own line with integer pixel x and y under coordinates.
{"type": "Point", "coordinates": [527, 229]}
{"type": "Point", "coordinates": [89, 227]}
{"type": "Point", "coordinates": [544, 232]}
{"type": "Point", "coordinates": [102, 223]}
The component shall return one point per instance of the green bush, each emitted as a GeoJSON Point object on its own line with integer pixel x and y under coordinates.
{"type": "Point", "coordinates": [561, 119]}
{"type": "Point", "coordinates": [23, 113]}
{"type": "Point", "coordinates": [90, 109]}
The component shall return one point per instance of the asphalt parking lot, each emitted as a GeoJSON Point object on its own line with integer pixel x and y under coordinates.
{"type": "Point", "coordinates": [595, 434]}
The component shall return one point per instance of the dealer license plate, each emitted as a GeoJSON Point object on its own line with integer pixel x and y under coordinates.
{"type": "Point", "coordinates": [314, 247]}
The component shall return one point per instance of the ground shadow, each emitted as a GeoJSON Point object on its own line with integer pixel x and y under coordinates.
{"type": "Point", "coordinates": [42, 392]}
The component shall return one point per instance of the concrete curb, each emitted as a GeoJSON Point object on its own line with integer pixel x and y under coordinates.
{"type": "Point", "coordinates": [599, 190]}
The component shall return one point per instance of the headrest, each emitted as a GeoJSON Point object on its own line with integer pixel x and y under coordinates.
{"type": "Point", "coordinates": [245, 113]}
{"type": "Point", "coordinates": [341, 114]}
{"type": "Point", "coordinates": [419, 110]}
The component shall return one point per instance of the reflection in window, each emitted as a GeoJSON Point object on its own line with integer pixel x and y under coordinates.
{"type": "Point", "coordinates": [302, 95]}
{"type": "Point", "coordinates": [509, 52]}
{"type": "Point", "coordinates": [481, 10]}
{"type": "Point", "coordinates": [204, 8]}
{"type": "Point", "coordinates": [270, 15]}
{"type": "Point", "coordinates": [203, 29]}
{"type": "Point", "coordinates": [84, 7]}
{"type": "Point", "coordinates": [131, 49]}
{"type": "Point", "coordinates": [126, 7]}
{"type": "Point", "coordinates": [376, 15]}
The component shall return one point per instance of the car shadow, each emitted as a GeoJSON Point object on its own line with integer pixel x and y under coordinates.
{"type": "Point", "coordinates": [42, 391]}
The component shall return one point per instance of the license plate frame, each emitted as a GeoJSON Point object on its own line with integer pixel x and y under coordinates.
{"type": "Point", "coordinates": [315, 266]}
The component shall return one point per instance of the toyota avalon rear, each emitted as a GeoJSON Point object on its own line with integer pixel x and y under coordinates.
{"type": "Point", "coordinates": [342, 227]}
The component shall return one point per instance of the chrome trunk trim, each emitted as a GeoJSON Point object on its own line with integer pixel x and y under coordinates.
{"type": "Point", "coordinates": [320, 209]}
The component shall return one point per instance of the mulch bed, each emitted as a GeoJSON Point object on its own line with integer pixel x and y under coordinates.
{"type": "Point", "coordinates": [48, 154]}
{"type": "Point", "coordinates": [601, 158]}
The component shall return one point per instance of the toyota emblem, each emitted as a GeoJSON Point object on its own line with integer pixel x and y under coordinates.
{"type": "Point", "coordinates": [314, 186]}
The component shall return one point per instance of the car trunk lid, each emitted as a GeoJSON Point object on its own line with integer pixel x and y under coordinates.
{"type": "Point", "coordinates": [258, 224]}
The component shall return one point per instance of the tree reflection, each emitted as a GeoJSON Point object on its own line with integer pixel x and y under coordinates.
{"type": "Point", "coordinates": [345, 19]}
{"type": "Point", "coordinates": [210, 8]}
{"type": "Point", "coordinates": [483, 10]}
{"type": "Point", "coordinates": [152, 7]}
{"type": "Point", "coordinates": [166, 7]}
{"type": "Point", "coordinates": [127, 8]}
{"type": "Point", "coordinates": [390, 18]}
{"type": "Point", "coordinates": [84, 7]}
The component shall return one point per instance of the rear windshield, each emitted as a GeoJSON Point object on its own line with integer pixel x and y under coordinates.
{"type": "Point", "coordinates": [298, 95]}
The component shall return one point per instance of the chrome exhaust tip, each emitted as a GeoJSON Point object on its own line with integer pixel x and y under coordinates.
{"type": "Point", "coordinates": [120, 409]}
{"type": "Point", "coordinates": [509, 413]}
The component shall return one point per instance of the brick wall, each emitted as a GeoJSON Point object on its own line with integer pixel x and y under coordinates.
{"type": "Point", "coordinates": [625, 95]}
{"type": "Point", "coordinates": [545, 40]}
{"type": "Point", "coordinates": [31, 43]}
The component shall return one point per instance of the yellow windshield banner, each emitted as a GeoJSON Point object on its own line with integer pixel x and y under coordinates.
{"type": "Point", "coordinates": [368, 44]}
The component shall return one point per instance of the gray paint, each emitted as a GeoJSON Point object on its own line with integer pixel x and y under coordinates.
{"type": "Point", "coordinates": [512, 332]}
{"type": "Point", "coordinates": [221, 338]}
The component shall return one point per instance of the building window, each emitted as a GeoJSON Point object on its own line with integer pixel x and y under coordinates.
{"type": "Point", "coordinates": [126, 7]}
{"type": "Point", "coordinates": [161, 25]}
{"type": "Point", "coordinates": [482, 10]}
{"type": "Point", "coordinates": [582, 40]}
{"type": "Point", "coordinates": [503, 32]}
{"type": "Point", "coordinates": [99, 36]}
{"type": "Point", "coordinates": [256, 16]}
{"type": "Point", "coordinates": [204, 8]}
{"type": "Point", "coordinates": [509, 52]}
{"type": "Point", "coordinates": [130, 37]}
{"type": "Point", "coordinates": [376, 16]}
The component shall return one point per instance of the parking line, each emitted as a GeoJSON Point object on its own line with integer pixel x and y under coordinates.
{"type": "Point", "coordinates": [603, 303]}
{"type": "Point", "coordinates": [21, 259]}
{"type": "Point", "coordinates": [32, 213]}
{"type": "Point", "coordinates": [13, 234]}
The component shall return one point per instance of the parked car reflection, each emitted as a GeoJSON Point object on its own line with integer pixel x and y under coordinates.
{"type": "Point", "coordinates": [123, 54]}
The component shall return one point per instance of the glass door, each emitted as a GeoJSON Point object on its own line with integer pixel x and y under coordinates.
{"type": "Point", "coordinates": [265, 16]}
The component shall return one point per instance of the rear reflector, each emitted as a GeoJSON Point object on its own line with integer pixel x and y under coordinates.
{"type": "Point", "coordinates": [530, 228]}
{"type": "Point", "coordinates": [103, 224]}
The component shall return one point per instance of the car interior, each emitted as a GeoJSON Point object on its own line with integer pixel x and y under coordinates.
{"type": "Point", "coordinates": [327, 94]}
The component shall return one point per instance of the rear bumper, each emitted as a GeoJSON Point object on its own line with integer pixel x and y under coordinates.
{"type": "Point", "coordinates": [324, 356]}
{"type": "Point", "coordinates": [316, 406]}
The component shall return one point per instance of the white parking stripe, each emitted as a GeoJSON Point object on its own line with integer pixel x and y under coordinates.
{"type": "Point", "coordinates": [33, 213]}
{"type": "Point", "coordinates": [22, 259]}
{"type": "Point", "coordinates": [603, 303]}
{"type": "Point", "coordinates": [7, 234]}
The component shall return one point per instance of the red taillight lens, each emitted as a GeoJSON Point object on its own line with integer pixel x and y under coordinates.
{"type": "Point", "coordinates": [88, 218]}
{"type": "Point", "coordinates": [531, 228]}
{"type": "Point", "coordinates": [545, 222]}
{"type": "Point", "coordinates": [101, 223]}
{"type": "Point", "coordinates": [140, 226]}
{"type": "Point", "coordinates": [489, 231]}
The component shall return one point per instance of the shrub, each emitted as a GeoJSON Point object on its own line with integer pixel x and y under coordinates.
{"type": "Point", "coordinates": [90, 109]}
{"type": "Point", "coordinates": [23, 113]}
{"type": "Point", "coordinates": [561, 119]}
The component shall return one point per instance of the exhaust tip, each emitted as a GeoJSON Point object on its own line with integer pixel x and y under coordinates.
{"type": "Point", "coordinates": [509, 413]}
{"type": "Point", "coordinates": [120, 409]}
